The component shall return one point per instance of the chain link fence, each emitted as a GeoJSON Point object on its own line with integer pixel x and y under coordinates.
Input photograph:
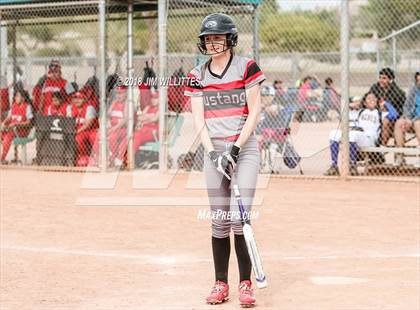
{"type": "Point", "coordinates": [296, 44]}
{"type": "Point", "coordinates": [299, 52]}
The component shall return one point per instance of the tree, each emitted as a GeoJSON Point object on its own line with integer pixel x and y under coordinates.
{"type": "Point", "coordinates": [183, 34]}
{"type": "Point", "coordinates": [300, 32]}
{"type": "Point", "coordinates": [389, 15]}
{"type": "Point", "coordinates": [45, 40]}
{"type": "Point", "coordinates": [269, 7]}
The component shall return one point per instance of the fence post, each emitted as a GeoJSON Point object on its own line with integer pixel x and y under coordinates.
{"type": "Point", "coordinates": [28, 71]}
{"type": "Point", "coordinates": [295, 68]}
{"type": "Point", "coordinates": [130, 71]}
{"type": "Point", "coordinates": [345, 87]}
{"type": "Point", "coordinates": [3, 51]}
{"type": "Point", "coordinates": [394, 51]}
{"type": "Point", "coordinates": [255, 31]}
{"type": "Point", "coordinates": [163, 148]}
{"type": "Point", "coordinates": [102, 84]}
{"type": "Point", "coordinates": [378, 58]}
{"type": "Point", "coordinates": [14, 56]}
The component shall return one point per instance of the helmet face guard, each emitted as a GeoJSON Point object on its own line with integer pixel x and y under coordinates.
{"type": "Point", "coordinates": [218, 24]}
{"type": "Point", "coordinates": [230, 41]}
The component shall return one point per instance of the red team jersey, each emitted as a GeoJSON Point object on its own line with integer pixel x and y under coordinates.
{"type": "Point", "coordinates": [20, 113]}
{"type": "Point", "coordinates": [51, 86]}
{"type": "Point", "coordinates": [52, 110]}
{"type": "Point", "coordinates": [4, 101]}
{"type": "Point", "coordinates": [152, 109]}
{"type": "Point", "coordinates": [145, 95]}
{"type": "Point", "coordinates": [81, 115]}
{"type": "Point", "coordinates": [117, 112]}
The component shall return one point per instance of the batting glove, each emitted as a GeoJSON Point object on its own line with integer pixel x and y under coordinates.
{"type": "Point", "coordinates": [220, 163]}
{"type": "Point", "coordinates": [229, 160]}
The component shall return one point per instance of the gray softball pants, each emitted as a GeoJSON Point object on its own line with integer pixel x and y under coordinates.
{"type": "Point", "coordinates": [220, 193]}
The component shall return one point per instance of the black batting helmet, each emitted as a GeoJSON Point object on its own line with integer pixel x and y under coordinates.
{"type": "Point", "coordinates": [218, 23]}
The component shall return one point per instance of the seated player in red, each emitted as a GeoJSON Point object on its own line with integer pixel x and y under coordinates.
{"type": "Point", "coordinates": [117, 114]}
{"type": "Point", "coordinates": [86, 126]}
{"type": "Point", "coordinates": [4, 98]}
{"type": "Point", "coordinates": [58, 105]}
{"type": "Point", "coordinates": [148, 126]}
{"type": "Point", "coordinates": [116, 133]}
{"type": "Point", "coordinates": [18, 121]}
{"type": "Point", "coordinates": [91, 89]}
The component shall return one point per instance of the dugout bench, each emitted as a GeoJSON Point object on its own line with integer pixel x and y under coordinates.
{"type": "Point", "coordinates": [384, 169]}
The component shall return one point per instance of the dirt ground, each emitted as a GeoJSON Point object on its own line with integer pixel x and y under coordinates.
{"type": "Point", "coordinates": [325, 244]}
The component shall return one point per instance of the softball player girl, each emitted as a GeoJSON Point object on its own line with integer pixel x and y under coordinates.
{"type": "Point", "coordinates": [225, 100]}
{"type": "Point", "coordinates": [18, 121]}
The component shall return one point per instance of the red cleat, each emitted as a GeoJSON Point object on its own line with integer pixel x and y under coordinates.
{"type": "Point", "coordinates": [219, 293]}
{"type": "Point", "coordinates": [246, 294]}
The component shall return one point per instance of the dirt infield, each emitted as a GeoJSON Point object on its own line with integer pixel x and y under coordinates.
{"type": "Point", "coordinates": [325, 244]}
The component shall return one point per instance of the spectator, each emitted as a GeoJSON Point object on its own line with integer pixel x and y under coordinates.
{"type": "Point", "coordinates": [280, 93]}
{"type": "Point", "coordinates": [331, 97]}
{"type": "Point", "coordinates": [304, 89]}
{"type": "Point", "coordinates": [354, 109]}
{"type": "Point", "coordinates": [410, 121]}
{"type": "Point", "coordinates": [387, 89]}
{"type": "Point", "coordinates": [268, 94]}
{"type": "Point", "coordinates": [268, 109]}
{"type": "Point", "coordinates": [53, 83]}
{"type": "Point", "coordinates": [86, 126]}
{"type": "Point", "coordinates": [364, 133]}
{"type": "Point", "coordinates": [275, 119]}
{"type": "Point", "coordinates": [18, 120]}
{"type": "Point", "coordinates": [315, 83]}
{"type": "Point", "coordinates": [146, 132]}
{"type": "Point", "coordinates": [58, 106]}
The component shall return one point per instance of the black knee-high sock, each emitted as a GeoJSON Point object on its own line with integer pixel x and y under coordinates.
{"type": "Point", "coordinates": [244, 261]}
{"type": "Point", "coordinates": [221, 253]}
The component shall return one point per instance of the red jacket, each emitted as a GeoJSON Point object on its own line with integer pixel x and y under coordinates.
{"type": "Point", "coordinates": [18, 114]}
{"type": "Point", "coordinates": [177, 102]}
{"type": "Point", "coordinates": [4, 101]}
{"type": "Point", "coordinates": [51, 86]}
{"type": "Point", "coordinates": [60, 111]}
{"type": "Point", "coordinates": [145, 95]}
{"type": "Point", "coordinates": [117, 112]}
{"type": "Point", "coordinates": [152, 109]}
{"type": "Point", "coordinates": [81, 115]}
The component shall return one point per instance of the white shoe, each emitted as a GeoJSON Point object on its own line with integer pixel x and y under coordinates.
{"type": "Point", "coordinates": [118, 162]}
{"type": "Point", "coordinates": [399, 160]}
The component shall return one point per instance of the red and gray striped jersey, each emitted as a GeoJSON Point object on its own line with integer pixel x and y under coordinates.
{"type": "Point", "coordinates": [224, 96]}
